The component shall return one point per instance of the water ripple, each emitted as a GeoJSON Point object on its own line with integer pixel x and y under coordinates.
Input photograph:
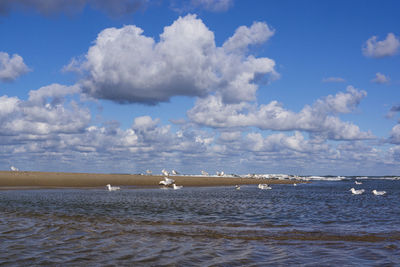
{"type": "Point", "coordinates": [317, 224]}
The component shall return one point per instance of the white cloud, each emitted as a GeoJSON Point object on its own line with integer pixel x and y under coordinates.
{"type": "Point", "coordinates": [393, 111]}
{"type": "Point", "coordinates": [148, 144]}
{"type": "Point", "coordinates": [258, 33]}
{"type": "Point", "coordinates": [43, 113]}
{"type": "Point", "coordinates": [319, 118]}
{"type": "Point", "coordinates": [333, 80]}
{"type": "Point", "coordinates": [126, 66]}
{"type": "Point", "coordinates": [380, 78]}
{"type": "Point", "coordinates": [395, 135]}
{"type": "Point", "coordinates": [280, 141]}
{"type": "Point", "coordinates": [379, 49]}
{"type": "Point", "coordinates": [11, 67]}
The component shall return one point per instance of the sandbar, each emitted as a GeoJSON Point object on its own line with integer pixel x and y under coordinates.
{"type": "Point", "coordinates": [64, 179]}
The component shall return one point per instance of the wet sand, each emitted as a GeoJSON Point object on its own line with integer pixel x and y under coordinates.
{"type": "Point", "coordinates": [61, 179]}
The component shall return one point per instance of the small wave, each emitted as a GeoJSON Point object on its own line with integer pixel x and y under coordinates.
{"type": "Point", "coordinates": [323, 178]}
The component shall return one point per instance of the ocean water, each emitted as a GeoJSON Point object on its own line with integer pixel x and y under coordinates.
{"type": "Point", "coordinates": [316, 224]}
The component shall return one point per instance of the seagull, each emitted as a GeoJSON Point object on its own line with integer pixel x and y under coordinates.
{"type": "Point", "coordinates": [294, 184]}
{"type": "Point", "coordinates": [378, 193]}
{"type": "Point", "coordinates": [165, 172]}
{"type": "Point", "coordinates": [264, 186]}
{"type": "Point", "coordinates": [358, 182]}
{"type": "Point", "coordinates": [176, 187]}
{"type": "Point", "coordinates": [356, 192]}
{"type": "Point", "coordinates": [237, 187]}
{"type": "Point", "coordinates": [112, 188]}
{"type": "Point", "coordinates": [167, 181]}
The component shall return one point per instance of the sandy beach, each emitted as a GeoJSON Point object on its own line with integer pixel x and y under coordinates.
{"type": "Point", "coordinates": [60, 179]}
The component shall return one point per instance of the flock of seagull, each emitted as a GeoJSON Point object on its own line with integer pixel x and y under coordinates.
{"type": "Point", "coordinates": [170, 183]}
{"type": "Point", "coordinates": [361, 191]}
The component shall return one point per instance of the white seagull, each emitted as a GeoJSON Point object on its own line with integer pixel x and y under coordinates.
{"type": "Point", "coordinates": [165, 172]}
{"type": "Point", "coordinates": [378, 193]}
{"type": "Point", "coordinates": [264, 186]}
{"type": "Point", "coordinates": [358, 182]}
{"type": "Point", "coordinates": [204, 173]}
{"type": "Point", "coordinates": [356, 192]}
{"type": "Point", "coordinates": [176, 187]}
{"type": "Point", "coordinates": [112, 188]}
{"type": "Point", "coordinates": [167, 181]}
{"type": "Point", "coordinates": [237, 187]}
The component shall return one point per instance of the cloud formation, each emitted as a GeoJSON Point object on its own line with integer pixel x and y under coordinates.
{"type": "Point", "coordinates": [46, 7]}
{"type": "Point", "coordinates": [11, 67]}
{"type": "Point", "coordinates": [126, 66]}
{"type": "Point", "coordinates": [44, 113]}
{"type": "Point", "coordinates": [395, 135]}
{"type": "Point", "coordinates": [379, 49]}
{"type": "Point", "coordinates": [51, 124]}
{"type": "Point", "coordinates": [319, 119]}
{"type": "Point", "coordinates": [380, 78]}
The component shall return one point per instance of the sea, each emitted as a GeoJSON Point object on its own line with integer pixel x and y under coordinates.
{"type": "Point", "coordinates": [315, 224]}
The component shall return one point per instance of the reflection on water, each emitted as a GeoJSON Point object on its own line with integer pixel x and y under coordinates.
{"type": "Point", "coordinates": [319, 224]}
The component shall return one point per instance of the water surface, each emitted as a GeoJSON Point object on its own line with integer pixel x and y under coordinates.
{"type": "Point", "coordinates": [320, 223]}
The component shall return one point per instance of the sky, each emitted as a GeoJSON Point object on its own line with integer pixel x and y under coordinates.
{"type": "Point", "coordinates": [299, 87]}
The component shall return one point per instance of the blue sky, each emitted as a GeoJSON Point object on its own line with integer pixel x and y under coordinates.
{"type": "Point", "coordinates": [299, 87]}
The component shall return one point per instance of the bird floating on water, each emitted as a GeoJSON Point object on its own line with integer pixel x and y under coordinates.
{"type": "Point", "coordinates": [357, 192]}
{"type": "Point", "coordinates": [176, 187]}
{"type": "Point", "coordinates": [264, 186]}
{"type": "Point", "coordinates": [167, 181]}
{"type": "Point", "coordinates": [378, 193]}
{"type": "Point", "coordinates": [112, 188]}
{"type": "Point", "coordinates": [356, 182]}
{"type": "Point", "coordinates": [237, 187]}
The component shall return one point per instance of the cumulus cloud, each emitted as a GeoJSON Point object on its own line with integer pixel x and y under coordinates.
{"type": "Point", "coordinates": [127, 67]}
{"type": "Point", "coordinates": [46, 7]}
{"type": "Point", "coordinates": [395, 135]}
{"type": "Point", "coordinates": [319, 118]}
{"type": "Point", "coordinates": [44, 113]}
{"type": "Point", "coordinates": [11, 67]}
{"type": "Point", "coordinates": [379, 49]}
{"type": "Point", "coordinates": [280, 141]}
{"type": "Point", "coordinates": [61, 133]}
{"type": "Point", "coordinates": [244, 36]}
{"type": "Point", "coordinates": [393, 111]}
{"type": "Point", "coordinates": [380, 78]}
{"type": "Point", "coordinates": [333, 80]}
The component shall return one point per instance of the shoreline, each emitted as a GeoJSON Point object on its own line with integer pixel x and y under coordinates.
{"type": "Point", "coordinates": [29, 179]}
